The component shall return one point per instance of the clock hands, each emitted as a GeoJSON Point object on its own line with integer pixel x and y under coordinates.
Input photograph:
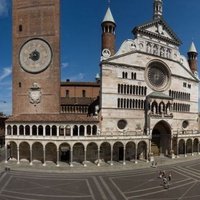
{"type": "Point", "coordinates": [34, 56]}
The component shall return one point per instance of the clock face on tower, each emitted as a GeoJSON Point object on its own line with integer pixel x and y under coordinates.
{"type": "Point", "coordinates": [35, 55]}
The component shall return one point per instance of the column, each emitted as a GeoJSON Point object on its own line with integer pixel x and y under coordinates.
{"type": "Point", "coordinates": [57, 130]}
{"type": "Point", "coordinates": [71, 157]}
{"type": "Point", "coordinates": [17, 130]}
{"type": "Point", "coordinates": [50, 131]}
{"type": "Point", "coordinates": [44, 131]}
{"type": "Point", "coordinates": [18, 155]}
{"type": "Point", "coordinates": [98, 153]}
{"type": "Point", "coordinates": [85, 157]}
{"type": "Point", "coordinates": [198, 148]}
{"type": "Point", "coordinates": [31, 130]}
{"type": "Point", "coordinates": [6, 153]}
{"type": "Point", "coordinates": [185, 150]}
{"type": "Point", "coordinates": [136, 154]}
{"type": "Point", "coordinates": [192, 147]}
{"type": "Point", "coordinates": [111, 155]}
{"type": "Point", "coordinates": [177, 148]}
{"type": "Point", "coordinates": [58, 156]}
{"type": "Point", "coordinates": [44, 157]}
{"type": "Point", "coordinates": [64, 132]}
{"type": "Point", "coordinates": [31, 155]}
{"type": "Point", "coordinates": [71, 131]}
{"type": "Point", "coordinates": [85, 130]}
{"type": "Point", "coordinates": [11, 130]}
{"type": "Point", "coordinates": [124, 156]}
{"type": "Point", "coordinates": [78, 131]}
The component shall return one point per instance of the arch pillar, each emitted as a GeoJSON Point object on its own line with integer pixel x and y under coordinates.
{"type": "Point", "coordinates": [111, 155]}
{"type": "Point", "coordinates": [18, 154]}
{"type": "Point", "coordinates": [71, 157]}
{"type": "Point", "coordinates": [192, 147]}
{"type": "Point", "coordinates": [136, 153]}
{"type": "Point", "coordinates": [185, 149]}
{"type": "Point", "coordinates": [198, 146]}
{"type": "Point", "coordinates": [44, 156]}
{"type": "Point", "coordinates": [124, 156]}
{"type": "Point", "coordinates": [58, 155]}
{"type": "Point", "coordinates": [98, 156]}
{"type": "Point", "coordinates": [6, 153]}
{"type": "Point", "coordinates": [177, 149]}
{"type": "Point", "coordinates": [31, 155]}
{"type": "Point", "coordinates": [85, 156]}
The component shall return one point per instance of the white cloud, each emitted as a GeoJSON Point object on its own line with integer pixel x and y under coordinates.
{"type": "Point", "coordinates": [78, 77]}
{"type": "Point", "coordinates": [6, 72]}
{"type": "Point", "coordinates": [64, 65]}
{"type": "Point", "coordinates": [3, 8]}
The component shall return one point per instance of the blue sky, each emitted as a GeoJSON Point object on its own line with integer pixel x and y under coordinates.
{"type": "Point", "coordinates": [81, 34]}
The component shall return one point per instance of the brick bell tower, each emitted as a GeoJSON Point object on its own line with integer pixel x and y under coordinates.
{"type": "Point", "coordinates": [36, 56]}
{"type": "Point", "coordinates": [108, 34]}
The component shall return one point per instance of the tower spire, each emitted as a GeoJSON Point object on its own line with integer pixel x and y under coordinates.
{"type": "Point", "coordinates": [192, 58]}
{"type": "Point", "coordinates": [108, 33]}
{"type": "Point", "coordinates": [158, 9]}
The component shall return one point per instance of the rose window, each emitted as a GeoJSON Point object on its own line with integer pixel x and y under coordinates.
{"type": "Point", "coordinates": [158, 76]}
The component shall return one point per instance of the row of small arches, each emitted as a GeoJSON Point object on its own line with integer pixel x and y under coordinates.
{"type": "Point", "coordinates": [130, 103]}
{"type": "Point", "coordinates": [74, 109]}
{"type": "Point", "coordinates": [179, 95]}
{"type": "Point", "coordinates": [132, 89]}
{"type": "Point", "coordinates": [52, 130]}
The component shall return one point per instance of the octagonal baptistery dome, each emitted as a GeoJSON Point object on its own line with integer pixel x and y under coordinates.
{"type": "Point", "coordinates": [158, 76]}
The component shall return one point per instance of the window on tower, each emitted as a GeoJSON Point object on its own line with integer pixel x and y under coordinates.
{"type": "Point", "coordinates": [83, 93]}
{"type": "Point", "coordinates": [20, 28]}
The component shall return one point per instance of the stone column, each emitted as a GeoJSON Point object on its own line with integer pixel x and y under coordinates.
{"type": "Point", "coordinates": [111, 155]}
{"type": "Point", "coordinates": [71, 157]}
{"type": "Point", "coordinates": [44, 156]}
{"type": "Point", "coordinates": [57, 130]}
{"type": "Point", "coordinates": [50, 131]}
{"type": "Point", "coordinates": [124, 156]}
{"type": "Point", "coordinates": [17, 130]}
{"type": "Point", "coordinates": [185, 150]}
{"type": "Point", "coordinates": [6, 153]}
{"type": "Point", "coordinates": [58, 156]}
{"type": "Point", "coordinates": [31, 130]}
{"type": "Point", "coordinates": [192, 148]}
{"type": "Point", "coordinates": [44, 131]}
{"type": "Point", "coordinates": [78, 131]}
{"type": "Point", "coordinates": [31, 155]}
{"type": "Point", "coordinates": [18, 155]}
{"type": "Point", "coordinates": [136, 154]}
{"type": "Point", "coordinates": [177, 149]}
{"type": "Point", "coordinates": [85, 157]}
{"type": "Point", "coordinates": [98, 153]}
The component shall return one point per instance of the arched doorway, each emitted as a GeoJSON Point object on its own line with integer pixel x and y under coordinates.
{"type": "Point", "coordinates": [64, 150]}
{"type": "Point", "coordinates": [161, 139]}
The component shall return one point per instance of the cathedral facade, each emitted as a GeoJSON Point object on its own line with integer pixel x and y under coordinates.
{"type": "Point", "coordinates": [147, 105]}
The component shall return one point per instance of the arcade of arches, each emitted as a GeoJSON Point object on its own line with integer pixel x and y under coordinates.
{"type": "Point", "coordinates": [76, 152]}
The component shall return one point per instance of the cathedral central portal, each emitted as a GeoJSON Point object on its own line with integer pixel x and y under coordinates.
{"type": "Point", "coordinates": [161, 139]}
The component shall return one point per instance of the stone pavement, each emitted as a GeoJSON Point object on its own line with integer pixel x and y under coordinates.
{"type": "Point", "coordinates": [118, 182]}
{"type": "Point", "coordinates": [92, 167]}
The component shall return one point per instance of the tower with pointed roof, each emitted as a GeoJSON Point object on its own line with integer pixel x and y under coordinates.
{"type": "Point", "coordinates": [158, 4]}
{"type": "Point", "coordinates": [192, 58]}
{"type": "Point", "coordinates": [108, 34]}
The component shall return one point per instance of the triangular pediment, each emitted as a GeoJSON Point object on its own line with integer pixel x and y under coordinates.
{"type": "Point", "coordinates": [158, 29]}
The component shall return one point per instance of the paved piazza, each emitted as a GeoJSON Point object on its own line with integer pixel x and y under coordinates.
{"type": "Point", "coordinates": [141, 184]}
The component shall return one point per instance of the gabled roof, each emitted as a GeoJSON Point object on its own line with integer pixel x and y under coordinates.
{"type": "Point", "coordinates": [162, 32]}
{"type": "Point", "coordinates": [159, 95]}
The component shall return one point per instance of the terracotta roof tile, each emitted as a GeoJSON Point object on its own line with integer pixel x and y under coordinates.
{"type": "Point", "coordinates": [42, 118]}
